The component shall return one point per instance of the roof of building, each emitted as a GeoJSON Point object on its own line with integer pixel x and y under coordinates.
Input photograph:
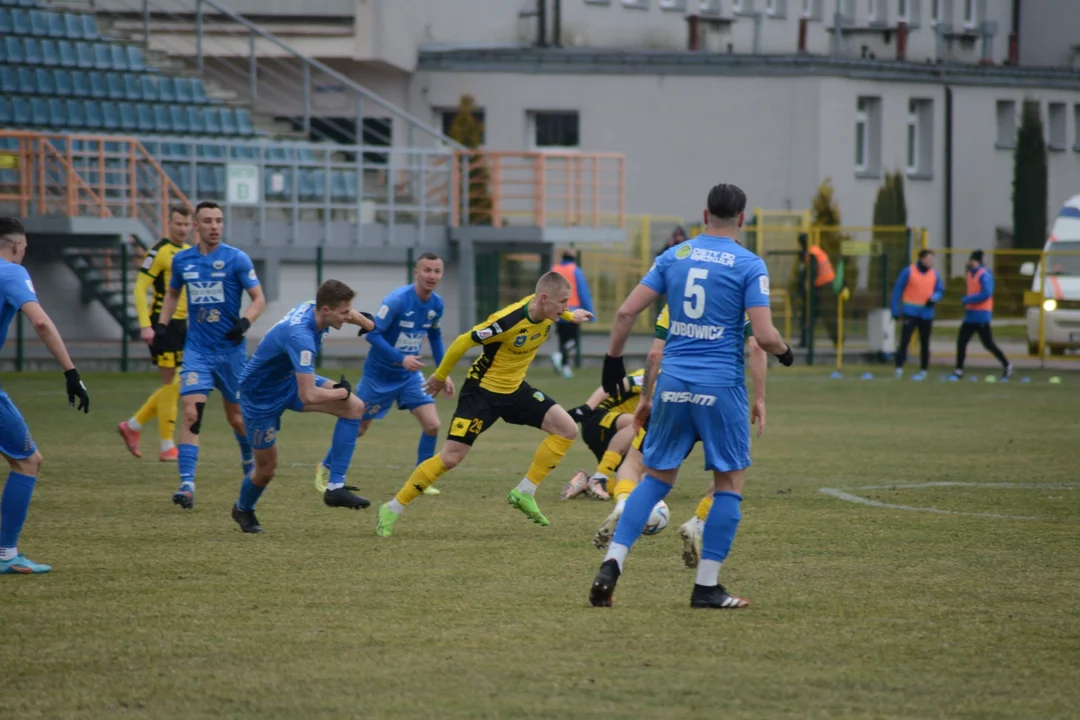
{"type": "Point", "coordinates": [586, 61]}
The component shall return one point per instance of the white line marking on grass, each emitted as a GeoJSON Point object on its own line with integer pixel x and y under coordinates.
{"type": "Point", "coordinates": [849, 497]}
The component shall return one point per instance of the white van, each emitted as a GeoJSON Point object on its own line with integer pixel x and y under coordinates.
{"type": "Point", "coordinates": [1061, 294]}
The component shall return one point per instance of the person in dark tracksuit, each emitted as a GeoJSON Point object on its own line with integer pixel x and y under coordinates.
{"type": "Point", "coordinates": [978, 309]}
{"type": "Point", "coordinates": [918, 288]}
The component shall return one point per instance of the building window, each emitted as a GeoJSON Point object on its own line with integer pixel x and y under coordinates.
{"type": "Point", "coordinates": [969, 13]}
{"type": "Point", "coordinates": [679, 5]}
{"type": "Point", "coordinates": [776, 8]}
{"type": "Point", "coordinates": [920, 141]}
{"type": "Point", "coordinates": [935, 11]}
{"type": "Point", "coordinates": [736, 6]}
{"type": "Point", "coordinates": [447, 117]}
{"type": "Point", "coordinates": [1006, 124]}
{"type": "Point", "coordinates": [554, 129]}
{"type": "Point", "coordinates": [636, 4]}
{"type": "Point", "coordinates": [1076, 128]}
{"type": "Point", "coordinates": [862, 137]}
{"type": "Point", "coordinates": [901, 10]}
{"type": "Point", "coordinates": [709, 7]}
{"type": "Point", "coordinates": [875, 11]}
{"type": "Point", "coordinates": [868, 136]}
{"type": "Point", "coordinates": [807, 9]}
{"type": "Point", "coordinates": [1056, 115]}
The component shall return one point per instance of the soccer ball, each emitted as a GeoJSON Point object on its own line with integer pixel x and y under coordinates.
{"type": "Point", "coordinates": [658, 519]}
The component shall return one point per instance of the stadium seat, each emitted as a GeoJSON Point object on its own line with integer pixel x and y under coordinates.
{"type": "Point", "coordinates": [57, 113]}
{"type": "Point", "coordinates": [209, 152]}
{"type": "Point", "coordinates": [50, 56]}
{"type": "Point", "coordinates": [56, 25]}
{"type": "Point", "coordinates": [32, 51]}
{"type": "Point", "coordinates": [150, 147]}
{"type": "Point", "coordinates": [20, 22]}
{"type": "Point", "coordinates": [62, 82]}
{"type": "Point", "coordinates": [39, 23]}
{"type": "Point", "coordinates": [90, 29]}
{"type": "Point", "coordinates": [73, 26]}
{"type": "Point", "coordinates": [178, 119]}
{"type": "Point", "coordinates": [132, 87]}
{"type": "Point", "coordinates": [204, 181]}
{"type": "Point", "coordinates": [39, 112]}
{"type": "Point", "coordinates": [102, 56]}
{"type": "Point", "coordinates": [27, 81]}
{"type": "Point", "coordinates": [115, 84]}
{"type": "Point", "coordinates": [337, 186]}
{"type": "Point", "coordinates": [180, 173]}
{"type": "Point", "coordinates": [80, 84]}
{"type": "Point", "coordinates": [13, 50]}
{"type": "Point", "coordinates": [129, 121]}
{"type": "Point", "coordinates": [243, 152]}
{"type": "Point", "coordinates": [166, 92]}
{"type": "Point", "coordinates": [149, 85]}
{"type": "Point", "coordinates": [98, 88]}
{"type": "Point", "coordinates": [136, 62]}
{"type": "Point", "coordinates": [198, 91]}
{"type": "Point", "coordinates": [9, 80]}
{"type": "Point", "coordinates": [5, 24]}
{"type": "Point", "coordinates": [243, 122]}
{"type": "Point", "coordinates": [305, 155]}
{"type": "Point", "coordinates": [307, 185]}
{"type": "Point", "coordinates": [84, 51]}
{"type": "Point", "coordinates": [68, 58]}
{"type": "Point", "coordinates": [212, 120]}
{"type": "Point", "coordinates": [44, 81]}
{"type": "Point", "coordinates": [75, 114]}
{"type": "Point", "coordinates": [277, 154]}
{"type": "Point", "coordinates": [195, 121]}
{"type": "Point", "coordinates": [119, 57]}
{"type": "Point", "coordinates": [5, 111]}
{"type": "Point", "coordinates": [20, 111]}
{"type": "Point", "coordinates": [92, 109]}
{"type": "Point", "coordinates": [183, 89]}
{"type": "Point", "coordinates": [110, 117]}
{"type": "Point", "coordinates": [144, 118]}
{"type": "Point", "coordinates": [176, 151]}
{"type": "Point", "coordinates": [228, 122]}
{"type": "Point", "coordinates": [162, 120]}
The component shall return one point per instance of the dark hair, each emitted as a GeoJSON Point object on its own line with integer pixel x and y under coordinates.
{"type": "Point", "coordinates": [924, 253]}
{"type": "Point", "coordinates": [332, 293]}
{"type": "Point", "coordinates": [726, 201]}
{"type": "Point", "coordinates": [180, 210]}
{"type": "Point", "coordinates": [206, 205]}
{"type": "Point", "coordinates": [10, 226]}
{"type": "Point", "coordinates": [428, 256]}
{"type": "Point", "coordinates": [976, 255]}
{"type": "Point", "coordinates": [569, 256]}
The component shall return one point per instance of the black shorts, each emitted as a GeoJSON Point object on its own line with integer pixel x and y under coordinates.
{"type": "Point", "coordinates": [172, 355]}
{"type": "Point", "coordinates": [597, 434]}
{"type": "Point", "coordinates": [478, 409]}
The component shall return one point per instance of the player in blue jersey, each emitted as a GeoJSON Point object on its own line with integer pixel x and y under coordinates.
{"type": "Point", "coordinates": [281, 376]}
{"type": "Point", "coordinates": [711, 282]}
{"type": "Point", "coordinates": [215, 276]}
{"type": "Point", "coordinates": [16, 445]}
{"type": "Point", "coordinates": [392, 371]}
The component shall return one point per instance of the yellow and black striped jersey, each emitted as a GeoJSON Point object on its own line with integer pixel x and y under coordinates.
{"type": "Point", "coordinates": [613, 407]}
{"type": "Point", "coordinates": [157, 265]}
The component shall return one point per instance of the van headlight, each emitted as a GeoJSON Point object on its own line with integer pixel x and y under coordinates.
{"type": "Point", "coordinates": [1049, 304]}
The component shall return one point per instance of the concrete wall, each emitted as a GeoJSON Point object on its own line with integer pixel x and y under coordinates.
{"type": "Point", "coordinates": [1049, 32]}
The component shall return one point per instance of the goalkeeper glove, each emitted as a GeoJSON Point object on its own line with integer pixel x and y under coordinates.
{"type": "Point", "coordinates": [362, 331]}
{"type": "Point", "coordinates": [236, 332]}
{"type": "Point", "coordinates": [614, 374]}
{"type": "Point", "coordinates": [344, 385]}
{"type": "Point", "coordinates": [786, 358]}
{"type": "Point", "coordinates": [76, 389]}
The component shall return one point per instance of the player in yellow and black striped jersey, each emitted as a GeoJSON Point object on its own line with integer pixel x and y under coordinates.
{"type": "Point", "coordinates": [495, 389]}
{"type": "Point", "coordinates": [154, 277]}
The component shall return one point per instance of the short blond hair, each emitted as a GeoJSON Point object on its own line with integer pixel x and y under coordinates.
{"type": "Point", "coordinates": [550, 282]}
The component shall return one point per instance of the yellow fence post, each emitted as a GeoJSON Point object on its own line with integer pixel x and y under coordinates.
{"type": "Point", "coordinates": [840, 300]}
{"type": "Point", "coordinates": [1042, 308]}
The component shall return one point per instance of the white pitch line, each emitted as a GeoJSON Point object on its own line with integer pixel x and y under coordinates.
{"type": "Point", "coordinates": [1026, 486]}
{"type": "Point", "coordinates": [840, 494]}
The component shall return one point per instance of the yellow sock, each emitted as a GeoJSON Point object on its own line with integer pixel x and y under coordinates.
{"type": "Point", "coordinates": [167, 397]}
{"type": "Point", "coordinates": [422, 477]}
{"type": "Point", "coordinates": [149, 408]}
{"type": "Point", "coordinates": [623, 488]}
{"type": "Point", "coordinates": [547, 457]}
{"type": "Point", "coordinates": [609, 464]}
{"type": "Point", "coordinates": [703, 507]}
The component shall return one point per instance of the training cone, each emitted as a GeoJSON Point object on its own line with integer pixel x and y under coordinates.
{"type": "Point", "coordinates": [991, 378]}
{"type": "Point", "coordinates": [1055, 380]}
{"type": "Point", "coordinates": [837, 375]}
{"type": "Point", "coordinates": [974, 378]}
{"type": "Point", "coordinates": [867, 376]}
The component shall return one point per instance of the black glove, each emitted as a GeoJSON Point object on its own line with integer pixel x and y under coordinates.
{"type": "Point", "coordinates": [76, 389]}
{"type": "Point", "coordinates": [159, 338]}
{"type": "Point", "coordinates": [362, 331]}
{"type": "Point", "coordinates": [236, 333]}
{"type": "Point", "coordinates": [786, 358]}
{"type": "Point", "coordinates": [930, 303]}
{"type": "Point", "coordinates": [614, 374]}
{"type": "Point", "coordinates": [581, 413]}
{"type": "Point", "coordinates": [343, 383]}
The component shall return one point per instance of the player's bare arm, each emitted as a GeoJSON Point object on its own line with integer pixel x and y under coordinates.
{"type": "Point", "coordinates": [766, 334]}
{"type": "Point", "coordinates": [437, 382]}
{"type": "Point", "coordinates": [312, 394]}
{"type": "Point", "coordinates": [759, 366]}
{"type": "Point", "coordinates": [652, 369]}
{"type": "Point", "coordinates": [362, 320]}
{"type": "Point", "coordinates": [168, 306]}
{"type": "Point", "coordinates": [50, 337]}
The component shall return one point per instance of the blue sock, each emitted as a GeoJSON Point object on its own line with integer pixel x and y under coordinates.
{"type": "Point", "coordinates": [720, 526]}
{"type": "Point", "coordinates": [187, 460]}
{"type": "Point", "coordinates": [326, 460]}
{"type": "Point", "coordinates": [342, 447]}
{"type": "Point", "coordinates": [245, 448]}
{"type": "Point", "coordinates": [249, 494]}
{"type": "Point", "coordinates": [425, 449]}
{"type": "Point", "coordinates": [638, 508]}
{"type": "Point", "coordinates": [13, 507]}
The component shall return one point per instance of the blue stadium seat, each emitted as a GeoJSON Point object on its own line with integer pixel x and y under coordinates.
{"type": "Point", "coordinates": [5, 111]}
{"type": "Point", "coordinates": [98, 88]}
{"type": "Point", "coordinates": [75, 114]}
{"type": "Point", "coordinates": [115, 83]}
{"type": "Point", "coordinates": [305, 155]}
{"type": "Point", "coordinates": [180, 173]}
{"type": "Point", "coordinates": [243, 122]}
{"type": "Point", "coordinates": [32, 51]}
{"type": "Point", "coordinates": [307, 186]}
{"type": "Point", "coordinates": [198, 91]}
{"type": "Point", "coordinates": [228, 122]}
{"type": "Point", "coordinates": [162, 121]}
{"type": "Point", "coordinates": [25, 3]}
{"type": "Point", "coordinates": [68, 58]}
{"type": "Point", "coordinates": [277, 154]}
{"type": "Point", "coordinates": [84, 51]}
{"type": "Point", "coordinates": [129, 121]}
{"type": "Point", "coordinates": [44, 81]}
{"type": "Point", "coordinates": [149, 87]}
{"type": "Point", "coordinates": [119, 57]}
{"type": "Point", "coordinates": [80, 84]}
{"type": "Point", "coordinates": [62, 82]}
{"type": "Point", "coordinates": [210, 152]}
{"type": "Point", "coordinates": [39, 112]}
{"type": "Point", "coordinates": [73, 26]}
{"type": "Point", "coordinates": [5, 27]}
{"type": "Point", "coordinates": [9, 80]}
{"type": "Point", "coordinates": [136, 62]}
{"type": "Point", "coordinates": [150, 147]}
{"type": "Point", "coordinates": [102, 56]}
{"type": "Point", "coordinates": [90, 29]}
{"type": "Point", "coordinates": [178, 118]}
{"type": "Point", "coordinates": [132, 87]}
{"type": "Point", "coordinates": [337, 186]}
{"type": "Point", "coordinates": [92, 109]}
{"type": "Point", "coordinates": [39, 23]}
{"type": "Point", "coordinates": [20, 22]}
{"type": "Point", "coordinates": [144, 115]}
{"type": "Point", "coordinates": [50, 56]}
{"type": "Point", "coordinates": [57, 113]}
{"type": "Point", "coordinates": [110, 116]}
{"type": "Point", "coordinates": [196, 122]}
{"type": "Point", "coordinates": [20, 111]}
{"type": "Point", "coordinates": [176, 151]}
{"type": "Point", "coordinates": [27, 81]}
{"type": "Point", "coordinates": [212, 119]}
{"type": "Point", "coordinates": [244, 152]}
{"type": "Point", "coordinates": [13, 50]}
{"type": "Point", "coordinates": [183, 89]}
{"type": "Point", "coordinates": [56, 25]}
{"type": "Point", "coordinates": [166, 92]}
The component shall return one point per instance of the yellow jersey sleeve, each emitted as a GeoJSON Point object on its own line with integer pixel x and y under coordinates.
{"type": "Point", "coordinates": [662, 323]}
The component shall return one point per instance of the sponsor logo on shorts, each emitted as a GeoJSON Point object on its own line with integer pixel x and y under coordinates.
{"type": "Point", "coordinates": [712, 256]}
{"type": "Point", "coordinates": [670, 396]}
{"type": "Point", "coordinates": [539, 396]}
{"type": "Point", "coordinates": [192, 378]}
{"type": "Point", "coordinates": [459, 427]}
{"type": "Point", "coordinates": [699, 332]}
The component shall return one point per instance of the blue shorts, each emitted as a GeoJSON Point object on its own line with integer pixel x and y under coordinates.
{"type": "Point", "coordinates": [202, 372]}
{"type": "Point", "coordinates": [379, 394]}
{"type": "Point", "coordinates": [15, 440]}
{"type": "Point", "coordinates": [684, 413]}
{"type": "Point", "coordinates": [262, 424]}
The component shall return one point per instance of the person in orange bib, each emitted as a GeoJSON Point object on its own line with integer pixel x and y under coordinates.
{"type": "Point", "coordinates": [917, 290]}
{"type": "Point", "coordinates": [570, 333]}
{"type": "Point", "coordinates": [978, 309]}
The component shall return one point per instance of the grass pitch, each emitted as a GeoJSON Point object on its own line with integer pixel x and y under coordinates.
{"type": "Point", "coordinates": [470, 611]}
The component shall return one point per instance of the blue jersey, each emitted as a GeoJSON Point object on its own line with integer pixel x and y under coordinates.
{"type": "Point", "coordinates": [215, 288]}
{"type": "Point", "coordinates": [710, 282]}
{"type": "Point", "coordinates": [401, 324]}
{"type": "Point", "coordinates": [269, 378]}
{"type": "Point", "coordinates": [16, 290]}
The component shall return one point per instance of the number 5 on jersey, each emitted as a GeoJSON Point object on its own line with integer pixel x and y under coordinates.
{"type": "Point", "coordinates": [694, 304]}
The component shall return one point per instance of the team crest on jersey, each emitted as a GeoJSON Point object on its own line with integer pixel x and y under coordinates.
{"type": "Point", "coordinates": [431, 314]}
{"type": "Point", "coordinates": [218, 264]}
{"type": "Point", "coordinates": [683, 251]}
{"type": "Point", "coordinates": [520, 340]}
{"type": "Point", "coordinates": [539, 396]}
